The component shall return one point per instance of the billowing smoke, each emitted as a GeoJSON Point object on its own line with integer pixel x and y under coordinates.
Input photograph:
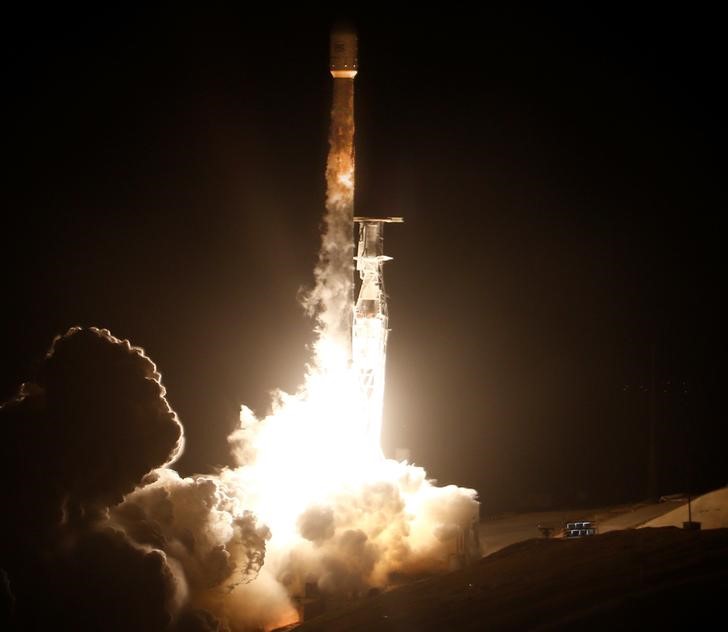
{"type": "Point", "coordinates": [83, 434]}
{"type": "Point", "coordinates": [74, 441]}
{"type": "Point", "coordinates": [200, 524]}
{"type": "Point", "coordinates": [347, 524]}
{"type": "Point", "coordinates": [103, 534]}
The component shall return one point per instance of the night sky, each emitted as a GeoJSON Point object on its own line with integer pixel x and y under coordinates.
{"type": "Point", "coordinates": [562, 182]}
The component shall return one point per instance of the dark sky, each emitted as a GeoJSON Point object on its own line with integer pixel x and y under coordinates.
{"type": "Point", "coordinates": [562, 179]}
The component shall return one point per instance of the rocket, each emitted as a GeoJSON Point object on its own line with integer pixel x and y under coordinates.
{"type": "Point", "coordinates": [366, 324]}
{"type": "Point", "coordinates": [342, 58]}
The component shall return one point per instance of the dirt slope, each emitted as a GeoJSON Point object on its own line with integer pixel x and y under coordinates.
{"type": "Point", "coordinates": [622, 579]}
{"type": "Point", "coordinates": [711, 510]}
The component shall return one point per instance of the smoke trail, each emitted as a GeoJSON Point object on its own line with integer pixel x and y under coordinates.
{"type": "Point", "coordinates": [331, 298]}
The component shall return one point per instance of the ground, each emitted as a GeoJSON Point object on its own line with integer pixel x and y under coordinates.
{"type": "Point", "coordinates": [625, 579]}
{"type": "Point", "coordinates": [497, 532]}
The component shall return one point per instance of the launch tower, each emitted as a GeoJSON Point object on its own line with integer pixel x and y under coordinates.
{"type": "Point", "coordinates": [370, 326]}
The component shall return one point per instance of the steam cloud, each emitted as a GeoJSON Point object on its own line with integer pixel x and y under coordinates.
{"type": "Point", "coordinates": [102, 534]}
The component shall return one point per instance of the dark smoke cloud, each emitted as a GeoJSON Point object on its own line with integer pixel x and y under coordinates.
{"type": "Point", "coordinates": [74, 442]}
{"type": "Point", "coordinates": [100, 580]}
{"type": "Point", "coordinates": [91, 425]}
{"type": "Point", "coordinates": [83, 434]}
{"type": "Point", "coordinates": [107, 401]}
{"type": "Point", "coordinates": [200, 621]}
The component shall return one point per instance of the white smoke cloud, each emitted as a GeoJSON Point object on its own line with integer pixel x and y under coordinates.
{"type": "Point", "coordinates": [357, 524]}
{"type": "Point", "coordinates": [199, 523]}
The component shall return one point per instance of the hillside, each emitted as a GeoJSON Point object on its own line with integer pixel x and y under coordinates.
{"type": "Point", "coordinates": [623, 579]}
